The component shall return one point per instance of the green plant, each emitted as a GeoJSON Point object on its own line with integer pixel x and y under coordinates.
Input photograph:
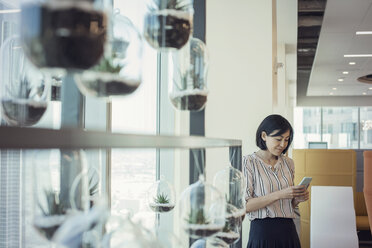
{"type": "Point", "coordinates": [226, 228]}
{"type": "Point", "coordinates": [170, 4]}
{"type": "Point", "coordinates": [197, 217]}
{"type": "Point", "coordinates": [54, 205]}
{"type": "Point", "coordinates": [106, 65]}
{"type": "Point", "coordinates": [161, 198]}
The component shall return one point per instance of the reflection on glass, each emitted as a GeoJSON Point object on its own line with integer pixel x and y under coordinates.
{"type": "Point", "coordinates": [366, 128]}
{"type": "Point", "coordinates": [307, 122]}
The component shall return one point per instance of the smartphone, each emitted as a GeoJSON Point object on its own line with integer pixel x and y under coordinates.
{"type": "Point", "coordinates": [306, 181]}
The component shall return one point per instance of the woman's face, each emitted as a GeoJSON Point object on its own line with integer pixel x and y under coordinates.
{"type": "Point", "coordinates": [276, 144]}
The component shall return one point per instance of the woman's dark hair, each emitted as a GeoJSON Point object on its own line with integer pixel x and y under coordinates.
{"type": "Point", "coordinates": [271, 124]}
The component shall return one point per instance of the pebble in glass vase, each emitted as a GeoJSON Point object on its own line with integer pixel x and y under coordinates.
{"type": "Point", "coordinates": [119, 72]}
{"type": "Point", "coordinates": [160, 196]}
{"type": "Point", "coordinates": [189, 88]}
{"type": "Point", "coordinates": [69, 34]}
{"type": "Point", "coordinates": [24, 89]}
{"type": "Point", "coordinates": [168, 25]}
{"type": "Point", "coordinates": [202, 209]}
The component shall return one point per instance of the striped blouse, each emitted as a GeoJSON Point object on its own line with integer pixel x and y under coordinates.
{"type": "Point", "coordinates": [262, 179]}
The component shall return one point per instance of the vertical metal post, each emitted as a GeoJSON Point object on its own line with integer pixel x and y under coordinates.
{"type": "Point", "coordinates": [235, 154]}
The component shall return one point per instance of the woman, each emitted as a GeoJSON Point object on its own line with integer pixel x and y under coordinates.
{"type": "Point", "coordinates": [271, 197]}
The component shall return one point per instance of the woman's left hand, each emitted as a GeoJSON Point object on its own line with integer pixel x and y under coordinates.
{"type": "Point", "coordinates": [303, 198]}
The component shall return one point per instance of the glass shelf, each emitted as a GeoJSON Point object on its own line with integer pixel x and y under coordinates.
{"type": "Point", "coordinates": [29, 138]}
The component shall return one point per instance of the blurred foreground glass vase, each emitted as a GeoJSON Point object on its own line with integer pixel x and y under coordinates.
{"type": "Point", "coordinates": [119, 71]}
{"type": "Point", "coordinates": [168, 25]}
{"type": "Point", "coordinates": [24, 90]}
{"type": "Point", "coordinates": [63, 34]}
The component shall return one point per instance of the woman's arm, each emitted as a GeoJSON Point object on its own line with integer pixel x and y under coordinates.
{"type": "Point", "coordinates": [256, 203]}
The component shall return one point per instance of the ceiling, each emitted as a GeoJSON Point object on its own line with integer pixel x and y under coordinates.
{"type": "Point", "coordinates": [326, 32]}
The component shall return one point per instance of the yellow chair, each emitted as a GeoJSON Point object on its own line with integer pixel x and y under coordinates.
{"type": "Point", "coordinates": [327, 167]}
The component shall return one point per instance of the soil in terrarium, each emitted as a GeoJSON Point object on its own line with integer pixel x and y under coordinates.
{"type": "Point", "coordinates": [229, 237]}
{"type": "Point", "coordinates": [161, 208]}
{"type": "Point", "coordinates": [193, 102]}
{"type": "Point", "coordinates": [167, 29]}
{"type": "Point", "coordinates": [103, 84]}
{"type": "Point", "coordinates": [63, 34]}
{"type": "Point", "coordinates": [22, 113]}
{"type": "Point", "coordinates": [202, 230]}
{"type": "Point", "coordinates": [48, 225]}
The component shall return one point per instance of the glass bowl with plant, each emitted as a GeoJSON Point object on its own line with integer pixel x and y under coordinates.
{"type": "Point", "coordinates": [119, 72]}
{"type": "Point", "coordinates": [233, 222]}
{"type": "Point", "coordinates": [168, 23]}
{"type": "Point", "coordinates": [24, 90]}
{"type": "Point", "coordinates": [161, 196]}
{"type": "Point", "coordinates": [189, 88]}
{"type": "Point", "coordinates": [202, 210]}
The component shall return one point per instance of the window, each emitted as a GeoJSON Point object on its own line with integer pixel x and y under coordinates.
{"type": "Point", "coordinates": [306, 126]}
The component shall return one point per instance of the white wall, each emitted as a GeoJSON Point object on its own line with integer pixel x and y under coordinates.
{"type": "Point", "coordinates": [239, 39]}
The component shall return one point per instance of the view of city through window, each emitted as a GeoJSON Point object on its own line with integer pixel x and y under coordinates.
{"type": "Point", "coordinates": [338, 127]}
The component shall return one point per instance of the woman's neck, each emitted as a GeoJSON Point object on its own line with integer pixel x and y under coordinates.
{"type": "Point", "coordinates": [267, 157]}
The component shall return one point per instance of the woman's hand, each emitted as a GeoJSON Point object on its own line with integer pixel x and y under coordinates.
{"type": "Point", "coordinates": [303, 198]}
{"type": "Point", "coordinates": [293, 192]}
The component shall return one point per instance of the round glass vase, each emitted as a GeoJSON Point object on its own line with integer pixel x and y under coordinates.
{"type": "Point", "coordinates": [168, 23]}
{"type": "Point", "coordinates": [24, 89]}
{"type": "Point", "coordinates": [231, 183]}
{"type": "Point", "coordinates": [202, 210]}
{"type": "Point", "coordinates": [69, 34]}
{"type": "Point", "coordinates": [161, 197]}
{"type": "Point", "coordinates": [230, 233]}
{"type": "Point", "coordinates": [61, 196]}
{"type": "Point", "coordinates": [119, 72]}
{"type": "Point", "coordinates": [189, 91]}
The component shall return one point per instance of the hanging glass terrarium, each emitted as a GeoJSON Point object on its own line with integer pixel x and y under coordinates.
{"type": "Point", "coordinates": [161, 197]}
{"type": "Point", "coordinates": [24, 90]}
{"type": "Point", "coordinates": [202, 209]}
{"type": "Point", "coordinates": [230, 233]}
{"type": "Point", "coordinates": [189, 88]}
{"type": "Point", "coordinates": [119, 71]}
{"type": "Point", "coordinates": [168, 25]}
{"type": "Point", "coordinates": [231, 183]}
{"type": "Point", "coordinates": [61, 196]}
{"type": "Point", "coordinates": [69, 34]}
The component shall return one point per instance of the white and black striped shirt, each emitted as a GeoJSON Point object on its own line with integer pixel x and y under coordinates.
{"type": "Point", "coordinates": [263, 179]}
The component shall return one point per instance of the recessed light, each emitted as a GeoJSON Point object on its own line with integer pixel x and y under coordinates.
{"type": "Point", "coordinates": [9, 11]}
{"type": "Point", "coordinates": [331, 93]}
{"type": "Point", "coordinates": [334, 88]}
{"type": "Point", "coordinates": [352, 63]}
{"type": "Point", "coordinates": [357, 55]}
{"type": "Point", "coordinates": [364, 93]}
{"type": "Point", "coordinates": [345, 72]}
{"type": "Point", "coordinates": [370, 88]}
{"type": "Point", "coordinates": [340, 79]}
{"type": "Point", "coordinates": [363, 32]}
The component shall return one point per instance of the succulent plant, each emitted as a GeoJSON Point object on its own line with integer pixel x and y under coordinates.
{"type": "Point", "coordinates": [197, 217]}
{"type": "Point", "coordinates": [170, 4]}
{"type": "Point", "coordinates": [106, 65]}
{"type": "Point", "coordinates": [161, 198]}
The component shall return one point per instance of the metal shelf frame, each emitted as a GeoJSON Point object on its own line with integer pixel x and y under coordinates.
{"type": "Point", "coordinates": [38, 138]}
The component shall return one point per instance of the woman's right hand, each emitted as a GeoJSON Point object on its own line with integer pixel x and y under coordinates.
{"type": "Point", "coordinates": [292, 192]}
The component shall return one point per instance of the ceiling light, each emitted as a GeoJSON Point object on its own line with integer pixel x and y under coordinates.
{"type": "Point", "coordinates": [357, 55]}
{"type": "Point", "coordinates": [334, 88]}
{"type": "Point", "coordinates": [364, 93]}
{"type": "Point", "coordinates": [370, 88]}
{"type": "Point", "coordinates": [340, 79]}
{"type": "Point", "coordinates": [345, 72]}
{"type": "Point", "coordinates": [331, 93]}
{"type": "Point", "coordinates": [352, 63]}
{"type": "Point", "coordinates": [363, 32]}
{"type": "Point", "coordinates": [9, 11]}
